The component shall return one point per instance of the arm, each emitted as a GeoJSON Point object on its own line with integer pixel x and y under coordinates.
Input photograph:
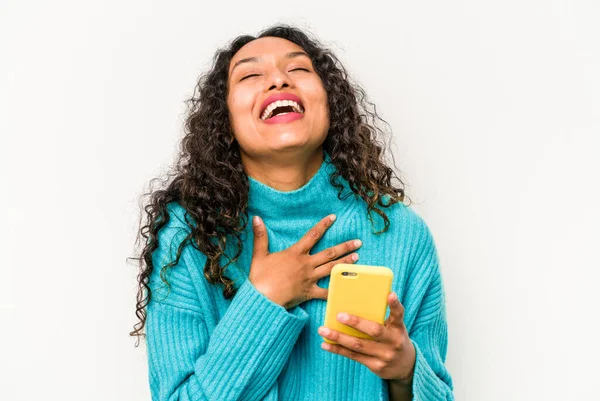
{"type": "Point", "coordinates": [428, 332]}
{"type": "Point", "coordinates": [242, 356]}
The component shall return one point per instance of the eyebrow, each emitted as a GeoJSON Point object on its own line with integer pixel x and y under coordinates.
{"type": "Point", "coordinates": [257, 59]}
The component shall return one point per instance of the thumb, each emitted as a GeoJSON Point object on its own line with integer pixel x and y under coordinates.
{"type": "Point", "coordinates": [396, 316]}
{"type": "Point", "coordinates": [261, 240]}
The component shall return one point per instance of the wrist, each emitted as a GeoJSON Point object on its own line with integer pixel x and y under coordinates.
{"type": "Point", "coordinates": [399, 390]}
{"type": "Point", "coordinates": [267, 292]}
{"type": "Point", "coordinates": [403, 384]}
{"type": "Point", "coordinates": [406, 380]}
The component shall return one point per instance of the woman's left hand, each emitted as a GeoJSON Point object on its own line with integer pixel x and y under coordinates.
{"type": "Point", "coordinates": [390, 355]}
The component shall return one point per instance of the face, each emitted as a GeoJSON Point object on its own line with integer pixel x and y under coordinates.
{"type": "Point", "coordinates": [275, 66]}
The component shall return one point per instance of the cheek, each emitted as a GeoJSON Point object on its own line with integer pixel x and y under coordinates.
{"type": "Point", "coordinates": [239, 105]}
{"type": "Point", "coordinates": [318, 95]}
{"type": "Point", "coordinates": [319, 100]}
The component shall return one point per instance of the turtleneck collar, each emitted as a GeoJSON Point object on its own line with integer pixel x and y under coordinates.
{"type": "Point", "coordinates": [310, 203]}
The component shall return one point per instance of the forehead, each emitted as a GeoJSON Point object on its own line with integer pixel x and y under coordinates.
{"type": "Point", "coordinates": [264, 48]}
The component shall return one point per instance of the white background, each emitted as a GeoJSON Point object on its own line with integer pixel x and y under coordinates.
{"type": "Point", "coordinates": [495, 110]}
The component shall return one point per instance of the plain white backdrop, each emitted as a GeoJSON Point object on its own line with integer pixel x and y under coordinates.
{"type": "Point", "coordinates": [495, 111]}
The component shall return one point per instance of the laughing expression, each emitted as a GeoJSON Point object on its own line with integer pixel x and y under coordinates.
{"type": "Point", "coordinates": [275, 98]}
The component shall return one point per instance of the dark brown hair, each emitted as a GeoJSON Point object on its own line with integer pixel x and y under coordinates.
{"type": "Point", "coordinates": [208, 178]}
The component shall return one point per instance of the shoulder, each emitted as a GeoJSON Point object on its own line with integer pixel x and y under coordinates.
{"type": "Point", "coordinates": [414, 234]}
{"type": "Point", "coordinates": [174, 232]}
{"type": "Point", "coordinates": [170, 279]}
{"type": "Point", "coordinates": [407, 228]}
{"type": "Point", "coordinates": [405, 219]}
{"type": "Point", "coordinates": [408, 217]}
{"type": "Point", "coordinates": [177, 224]}
{"type": "Point", "coordinates": [178, 216]}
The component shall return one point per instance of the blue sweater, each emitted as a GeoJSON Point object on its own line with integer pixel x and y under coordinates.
{"type": "Point", "coordinates": [201, 346]}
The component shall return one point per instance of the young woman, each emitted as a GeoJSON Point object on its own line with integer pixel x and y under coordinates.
{"type": "Point", "coordinates": [277, 135]}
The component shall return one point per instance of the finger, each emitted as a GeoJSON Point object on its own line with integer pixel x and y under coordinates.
{"type": "Point", "coordinates": [305, 244]}
{"type": "Point", "coordinates": [336, 251]}
{"type": "Point", "coordinates": [375, 330]}
{"type": "Point", "coordinates": [325, 270]}
{"type": "Point", "coordinates": [362, 345]}
{"type": "Point", "coordinates": [396, 317]}
{"type": "Point", "coordinates": [319, 293]}
{"type": "Point", "coordinates": [371, 362]}
{"type": "Point", "coordinates": [261, 240]}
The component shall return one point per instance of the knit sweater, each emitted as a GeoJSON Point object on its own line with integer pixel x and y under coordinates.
{"type": "Point", "coordinates": [201, 346]}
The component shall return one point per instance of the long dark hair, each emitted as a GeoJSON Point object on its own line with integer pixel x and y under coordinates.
{"type": "Point", "coordinates": [208, 178]}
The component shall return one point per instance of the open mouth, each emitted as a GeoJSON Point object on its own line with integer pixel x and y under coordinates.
{"type": "Point", "coordinates": [281, 107]}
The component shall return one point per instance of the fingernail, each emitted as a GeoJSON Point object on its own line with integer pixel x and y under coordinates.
{"type": "Point", "coordinates": [325, 346]}
{"type": "Point", "coordinates": [332, 217]}
{"type": "Point", "coordinates": [357, 242]}
{"type": "Point", "coordinates": [342, 317]}
{"type": "Point", "coordinates": [256, 220]}
{"type": "Point", "coordinates": [355, 257]}
{"type": "Point", "coordinates": [324, 331]}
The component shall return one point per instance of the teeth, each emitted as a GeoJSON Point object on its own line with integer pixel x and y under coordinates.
{"type": "Point", "coordinates": [280, 103]}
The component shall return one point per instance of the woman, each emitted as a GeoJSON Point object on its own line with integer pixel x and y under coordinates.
{"type": "Point", "coordinates": [235, 311]}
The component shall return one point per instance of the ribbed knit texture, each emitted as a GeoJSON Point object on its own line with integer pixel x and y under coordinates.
{"type": "Point", "coordinates": [203, 347]}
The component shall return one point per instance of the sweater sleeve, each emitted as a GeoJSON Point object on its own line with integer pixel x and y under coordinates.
{"type": "Point", "coordinates": [240, 358]}
{"type": "Point", "coordinates": [429, 332]}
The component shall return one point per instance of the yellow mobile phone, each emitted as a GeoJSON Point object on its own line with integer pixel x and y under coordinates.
{"type": "Point", "coordinates": [359, 290]}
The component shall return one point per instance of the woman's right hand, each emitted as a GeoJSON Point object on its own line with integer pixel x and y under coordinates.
{"type": "Point", "coordinates": [290, 277]}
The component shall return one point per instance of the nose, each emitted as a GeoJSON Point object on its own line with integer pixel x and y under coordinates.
{"type": "Point", "coordinates": [278, 79]}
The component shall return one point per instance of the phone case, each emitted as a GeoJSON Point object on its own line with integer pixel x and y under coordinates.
{"type": "Point", "coordinates": [359, 290]}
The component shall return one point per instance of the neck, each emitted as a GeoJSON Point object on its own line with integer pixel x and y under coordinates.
{"type": "Point", "coordinates": [305, 206]}
{"type": "Point", "coordinates": [284, 172]}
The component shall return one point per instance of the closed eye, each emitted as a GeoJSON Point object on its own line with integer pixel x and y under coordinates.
{"type": "Point", "coordinates": [255, 75]}
{"type": "Point", "coordinates": [248, 76]}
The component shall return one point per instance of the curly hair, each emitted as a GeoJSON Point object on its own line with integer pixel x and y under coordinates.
{"type": "Point", "coordinates": [208, 178]}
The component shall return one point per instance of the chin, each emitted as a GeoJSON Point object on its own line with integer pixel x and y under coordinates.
{"type": "Point", "coordinates": [287, 143]}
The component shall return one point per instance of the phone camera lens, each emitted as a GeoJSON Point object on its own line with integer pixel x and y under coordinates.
{"type": "Point", "coordinates": [344, 273]}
